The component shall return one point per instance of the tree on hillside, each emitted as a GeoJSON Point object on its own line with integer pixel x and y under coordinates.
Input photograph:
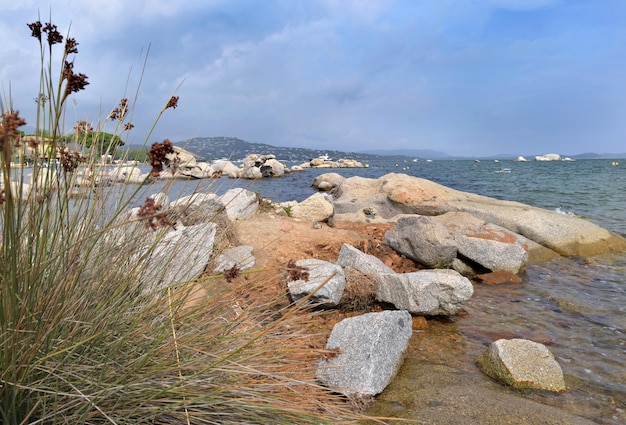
{"type": "Point", "coordinates": [103, 142]}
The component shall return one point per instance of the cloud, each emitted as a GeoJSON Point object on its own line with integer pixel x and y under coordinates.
{"type": "Point", "coordinates": [463, 77]}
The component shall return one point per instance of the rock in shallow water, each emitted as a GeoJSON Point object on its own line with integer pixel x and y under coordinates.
{"type": "Point", "coordinates": [522, 364]}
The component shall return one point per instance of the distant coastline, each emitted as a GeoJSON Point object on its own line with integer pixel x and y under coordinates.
{"type": "Point", "coordinates": [211, 148]}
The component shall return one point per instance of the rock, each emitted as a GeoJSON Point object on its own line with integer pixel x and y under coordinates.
{"type": "Point", "coordinates": [522, 364]}
{"type": "Point", "coordinates": [319, 271]}
{"type": "Point", "coordinates": [272, 168]}
{"type": "Point", "coordinates": [548, 157]}
{"type": "Point", "coordinates": [367, 264]}
{"type": "Point", "coordinates": [493, 255]}
{"type": "Point", "coordinates": [181, 158]}
{"type": "Point", "coordinates": [197, 208]}
{"type": "Point", "coordinates": [396, 194]}
{"type": "Point", "coordinates": [131, 175]}
{"type": "Point", "coordinates": [180, 255]}
{"type": "Point", "coordinates": [426, 292]}
{"type": "Point", "coordinates": [240, 203]}
{"type": "Point", "coordinates": [348, 163]}
{"type": "Point", "coordinates": [201, 170]}
{"type": "Point", "coordinates": [424, 240]}
{"type": "Point", "coordinates": [356, 194]}
{"type": "Point", "coordinates": [239, 256]}
{"type": "Point", "coordinates": [316, 207]}
{"type": "Point", "coordinates": [227, 168]}
{"type": "Point", "coordinates": [257, 166]}
{"type": "Point", "coordinates": [160, 198]}
{"type": "Point", "coordinates": [365, 352]}
{"type": "Point", "coordinates": [461, 224]}
{"type": "Point", "coordinates": [327, 181]}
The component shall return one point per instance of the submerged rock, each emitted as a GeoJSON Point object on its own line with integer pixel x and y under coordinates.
{"type": "Point", "coordinates": [522, 364]}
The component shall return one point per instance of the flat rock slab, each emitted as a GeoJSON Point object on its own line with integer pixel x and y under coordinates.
{"type": "Point", "coordinates": [367, 264]}
{"type": "Point", "coordinates": [522, 364]}
{"type": "Point", "coordinates": [365, 352]}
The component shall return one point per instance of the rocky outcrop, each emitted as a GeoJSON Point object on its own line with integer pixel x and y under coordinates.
{"type": "Point", "coordinates": [548, 157]}
{"type": "Point", "coordinates": [365, 352]}
{"type": "Point", "coordinates": [425, 292]}
{"type": "Point", "coordinates": [325, 162]}
{"type": "Point", "coordinates": [326, 279]}
{"type": "Point", "coordinates": [394, 195]}
{"type": "Point", "coordinates": [257, 166]}
{"type": "Point", "coordinates": [522, 364]}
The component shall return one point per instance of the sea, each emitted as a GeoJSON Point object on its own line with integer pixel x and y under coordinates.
{"type": "Point", "coordinates": [575, 306]}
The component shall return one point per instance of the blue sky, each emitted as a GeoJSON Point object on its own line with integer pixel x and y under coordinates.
{"type": "Point", "coordinates": [465, 77]}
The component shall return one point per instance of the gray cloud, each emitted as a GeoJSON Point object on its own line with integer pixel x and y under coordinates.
{"type": "Point", "coordinates": [463, 77]}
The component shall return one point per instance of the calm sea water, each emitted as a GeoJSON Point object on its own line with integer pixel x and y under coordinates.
{"type": "Point", "coordinates": [577, 307]}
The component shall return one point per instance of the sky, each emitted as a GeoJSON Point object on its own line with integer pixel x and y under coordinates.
{"type": "Point", "coordinates": [463, 77]}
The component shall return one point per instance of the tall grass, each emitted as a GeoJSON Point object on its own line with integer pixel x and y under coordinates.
{"type": "Point", "coordinates": [89, 334]}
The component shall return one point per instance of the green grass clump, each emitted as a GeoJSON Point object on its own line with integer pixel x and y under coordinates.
{"type": "Point", "coordinates": [88, 332]}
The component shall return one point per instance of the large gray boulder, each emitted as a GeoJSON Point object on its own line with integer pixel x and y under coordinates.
{"type": "Point", "coordinates": [318, 272]}
{"type": "Point", "coordinates": [367, 264]}
{"type": "Point", "coordinates": [522, 364]}
{"type": "Point", "coordinates": [424, 240]}
{"type": "Point", "coordinates": [240, 203]}
{"type": "Point", "coordinates": [196, 208]}
{"type": "Point", "coordinates": [365, 352]}
{"type": "Point", "coordinates": [493, 255]}
{"type": "Point", "coordinates": [180, 255]}
{"type": "Point", "coordinates": [426, 292]}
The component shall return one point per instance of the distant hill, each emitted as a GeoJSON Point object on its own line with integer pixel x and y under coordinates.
{"type": "Point", "coordinates": [212, 148]}
{"type": "Point", "coordinates": [411, 153]}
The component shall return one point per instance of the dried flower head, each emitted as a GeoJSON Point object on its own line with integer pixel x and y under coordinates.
{"type": "Point", "coordinates": [2, 198]}
{"type": "Point", "coordinates": [232, 273]}
{"type": "Point", "coordinates": [35, 29]}
{"type": "Point", "coordinates": [71, 160]}
{"type": "Point", "coordinates": [83, 127]}
{"type": "Point", "coordinates": [128, 126]}
{"type": "Point", "coordinates": [41, 99]}
{"type": "Point", "coordinates": [54, 36]}
{"type": "Point", "coordinates": [172, 103]}
{"type": "Point", "coordinates": [297, 272]}
{"type": "Point", "coordinates": [9, 125]}
{"type": "Point", "coordinates": [74, 83]}
{"type": "Point", "coordinates": [157, 155]}
{"type": "Point", "coordinates": [150, 211]}
{"type": "Point", "coordinates": [119, 112]}
{"type": "Point", "coordinates": [71, 46]}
